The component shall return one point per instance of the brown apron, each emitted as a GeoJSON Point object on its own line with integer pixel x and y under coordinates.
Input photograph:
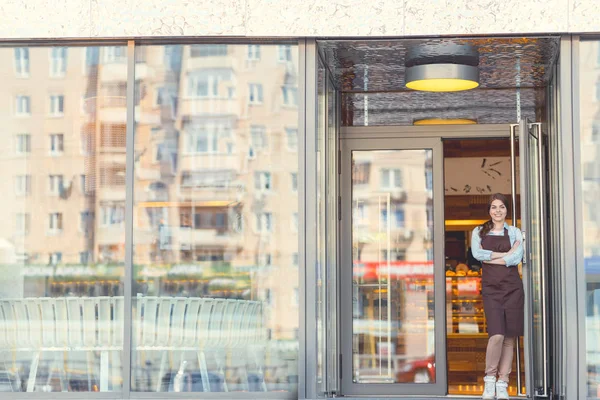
{"type": "Point", "coordinates": [502, 291]}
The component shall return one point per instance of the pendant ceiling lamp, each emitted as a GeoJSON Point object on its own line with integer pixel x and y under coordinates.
{"type": "Point", "coordinates": [443, 67]}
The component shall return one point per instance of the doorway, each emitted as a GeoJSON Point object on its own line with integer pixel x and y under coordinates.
{"type": "Point", "coordinates": [399, 299]}
{"type": "Point", "coordinates": [412, 318]}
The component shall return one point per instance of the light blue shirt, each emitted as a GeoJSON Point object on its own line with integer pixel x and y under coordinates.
{"type": "Point", "coordinates": [514, 235]}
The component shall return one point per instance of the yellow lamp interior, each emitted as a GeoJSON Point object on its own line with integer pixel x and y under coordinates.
{"type": "Point", "coordinates": [441, 121]}
{"type": "Point", "coordinates": [442, 85]}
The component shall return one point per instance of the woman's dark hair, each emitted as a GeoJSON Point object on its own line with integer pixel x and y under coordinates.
{"type": "Point", "coordinates": [487, 226]}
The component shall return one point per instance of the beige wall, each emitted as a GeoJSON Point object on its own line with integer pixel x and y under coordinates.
{"type": "Point", "coordinates": [127, 18]}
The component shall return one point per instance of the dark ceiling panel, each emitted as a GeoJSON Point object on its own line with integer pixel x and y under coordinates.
{"type": "Point", "coordinates": [378, 65]}
{"type": "Point", "coordinates": [370, 74]}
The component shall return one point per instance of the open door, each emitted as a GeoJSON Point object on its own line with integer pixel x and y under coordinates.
{"type": "Point", "coordinates": [392, 278]}
{"type": "Point", "coordinates": [533, 224]}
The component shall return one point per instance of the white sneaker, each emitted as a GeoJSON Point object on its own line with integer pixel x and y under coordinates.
{"type": "Point", "coordinates": [489, 391]}
{"type": "Point", "coordinates": [501, 390]}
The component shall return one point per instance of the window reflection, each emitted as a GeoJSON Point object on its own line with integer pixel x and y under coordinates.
{"type": "Point", "coordinates": [215, 219]}
{"type": "Point", "coordinates": [61, 268]}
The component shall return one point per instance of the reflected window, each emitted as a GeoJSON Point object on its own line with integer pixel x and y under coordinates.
{"type": "Point", "coordinates": [398, 217]}
{"type": "Point", "coordinates": [284, 53]}
{"type": "Point", "coordinates": [55, 185]}
{"type": "Point", "coordinates": [23, 106]}
{"type": "Point", "coordinates": [55, 258]}
{"type": "Point", "coordinates": [114, 55]}
{"type": "Point", "coordinates": [204, 138]}
{"type": "Point", "coordinates": [92, 57]}
{"type": "Point", "coordinates": [113, 214]}
{"type": "Point", "coordinates": [57, 143]}
{"type": "Point", "coordinates": [23, 185]}
{"type": "Point", "coordinates": [262, 181]}
{"type": "Point", "coordinates": [391, 178]}
{"type": "Point", "coordinates": [253, 52]}
{"type": "Point", "coordinates": [58, 62]}
{"type": "Point", "coordinates": [55, 222]}
{"type": "Point", "coordinates": [258, 137]}
{"type": "Point", "coordinates": [22, 62]}
{"type": "Point", "coordinates": [290, 95]}
{"type": "Point", "coordinates": [57, 105]}
{"type": "Point", "coordinates": [23, 143]}
{"type": "Point", "coordinates": [255, 93]}
{"type": "Point", "coordinates": [291, 135]}
{"type": "Point", "coordinates": [264, 222]}
{"type": "Point", "coordinates": [206, 83]}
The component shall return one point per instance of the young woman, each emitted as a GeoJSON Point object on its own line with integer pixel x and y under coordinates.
{"type": "Point", "coordinates": [498, 246]}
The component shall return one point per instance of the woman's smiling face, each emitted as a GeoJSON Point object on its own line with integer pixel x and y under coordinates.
{"type": "Point", "coordinates": [498, 211]}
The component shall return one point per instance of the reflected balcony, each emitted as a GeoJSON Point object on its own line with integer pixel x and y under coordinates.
{"type": "Point", "coordinates": [111, 193]}
{"type": "Point", "coordinates": [210, 106]}
{"type": "Point", "coordinates": [204, 162]}
{"type": "Point", "coordinates": [188, 238]}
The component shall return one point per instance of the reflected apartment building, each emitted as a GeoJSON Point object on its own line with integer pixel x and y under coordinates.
{"type": "Point", "coordinates": [63, 163]}
{"type": "Point", "coordinates": [393, 261]}
{"type": "Point", "coordinates": [215, 201]}
{"type": "Point", "coordinates": [213, 190]}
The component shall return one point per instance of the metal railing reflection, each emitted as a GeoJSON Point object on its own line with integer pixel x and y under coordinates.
{"type": "Point", "coordinates": [63, 325]}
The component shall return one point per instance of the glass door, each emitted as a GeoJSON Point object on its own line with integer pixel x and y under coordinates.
{"type": "Point", "coordinates": [392, 278]}
{"type": "Point", "coordinates": [533, 224]}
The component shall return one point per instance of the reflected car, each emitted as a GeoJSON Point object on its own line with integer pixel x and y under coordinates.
{"type": "Point", "coordinates": [417, 371]}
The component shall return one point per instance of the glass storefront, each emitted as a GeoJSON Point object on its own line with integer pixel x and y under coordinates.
{"type": "Point", "coordinates": [215, 273]}
{"type": "Point", "coordinates": [153, 224]}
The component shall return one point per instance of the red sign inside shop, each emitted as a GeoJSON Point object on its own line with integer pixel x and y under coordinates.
{"type": "Point", "coordinates": [394, 269]}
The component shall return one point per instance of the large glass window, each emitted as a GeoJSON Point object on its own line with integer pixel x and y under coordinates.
{"type": "Point", "coordinates": [215, 221]}
{"type": "Point", "coordinates": [589, 81]}
{"type": "Point", "coordinates": [61, 289]}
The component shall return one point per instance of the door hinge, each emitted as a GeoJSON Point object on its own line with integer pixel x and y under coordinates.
{"type": "Point", "coordinates": [339, 162]}
{"type": "Point", "coordinates": [339, 208]}
{"type": "Point", "coordinates": [340, 367]}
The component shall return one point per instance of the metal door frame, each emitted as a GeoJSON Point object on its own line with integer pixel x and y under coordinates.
{"type": "Point", "coordinates": [527, 129]}
{"type": "Point", "coordinates": [382, 134]}
{"type": "Point", "coordinates": [347, 386]}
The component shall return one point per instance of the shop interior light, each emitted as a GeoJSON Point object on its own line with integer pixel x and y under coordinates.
{"type": "Point", "coordinates": [445, 121]}
{"type": "Point", "coordinates": [442, 68]}
{"type": "Point", "coordinates": [442, 77]}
